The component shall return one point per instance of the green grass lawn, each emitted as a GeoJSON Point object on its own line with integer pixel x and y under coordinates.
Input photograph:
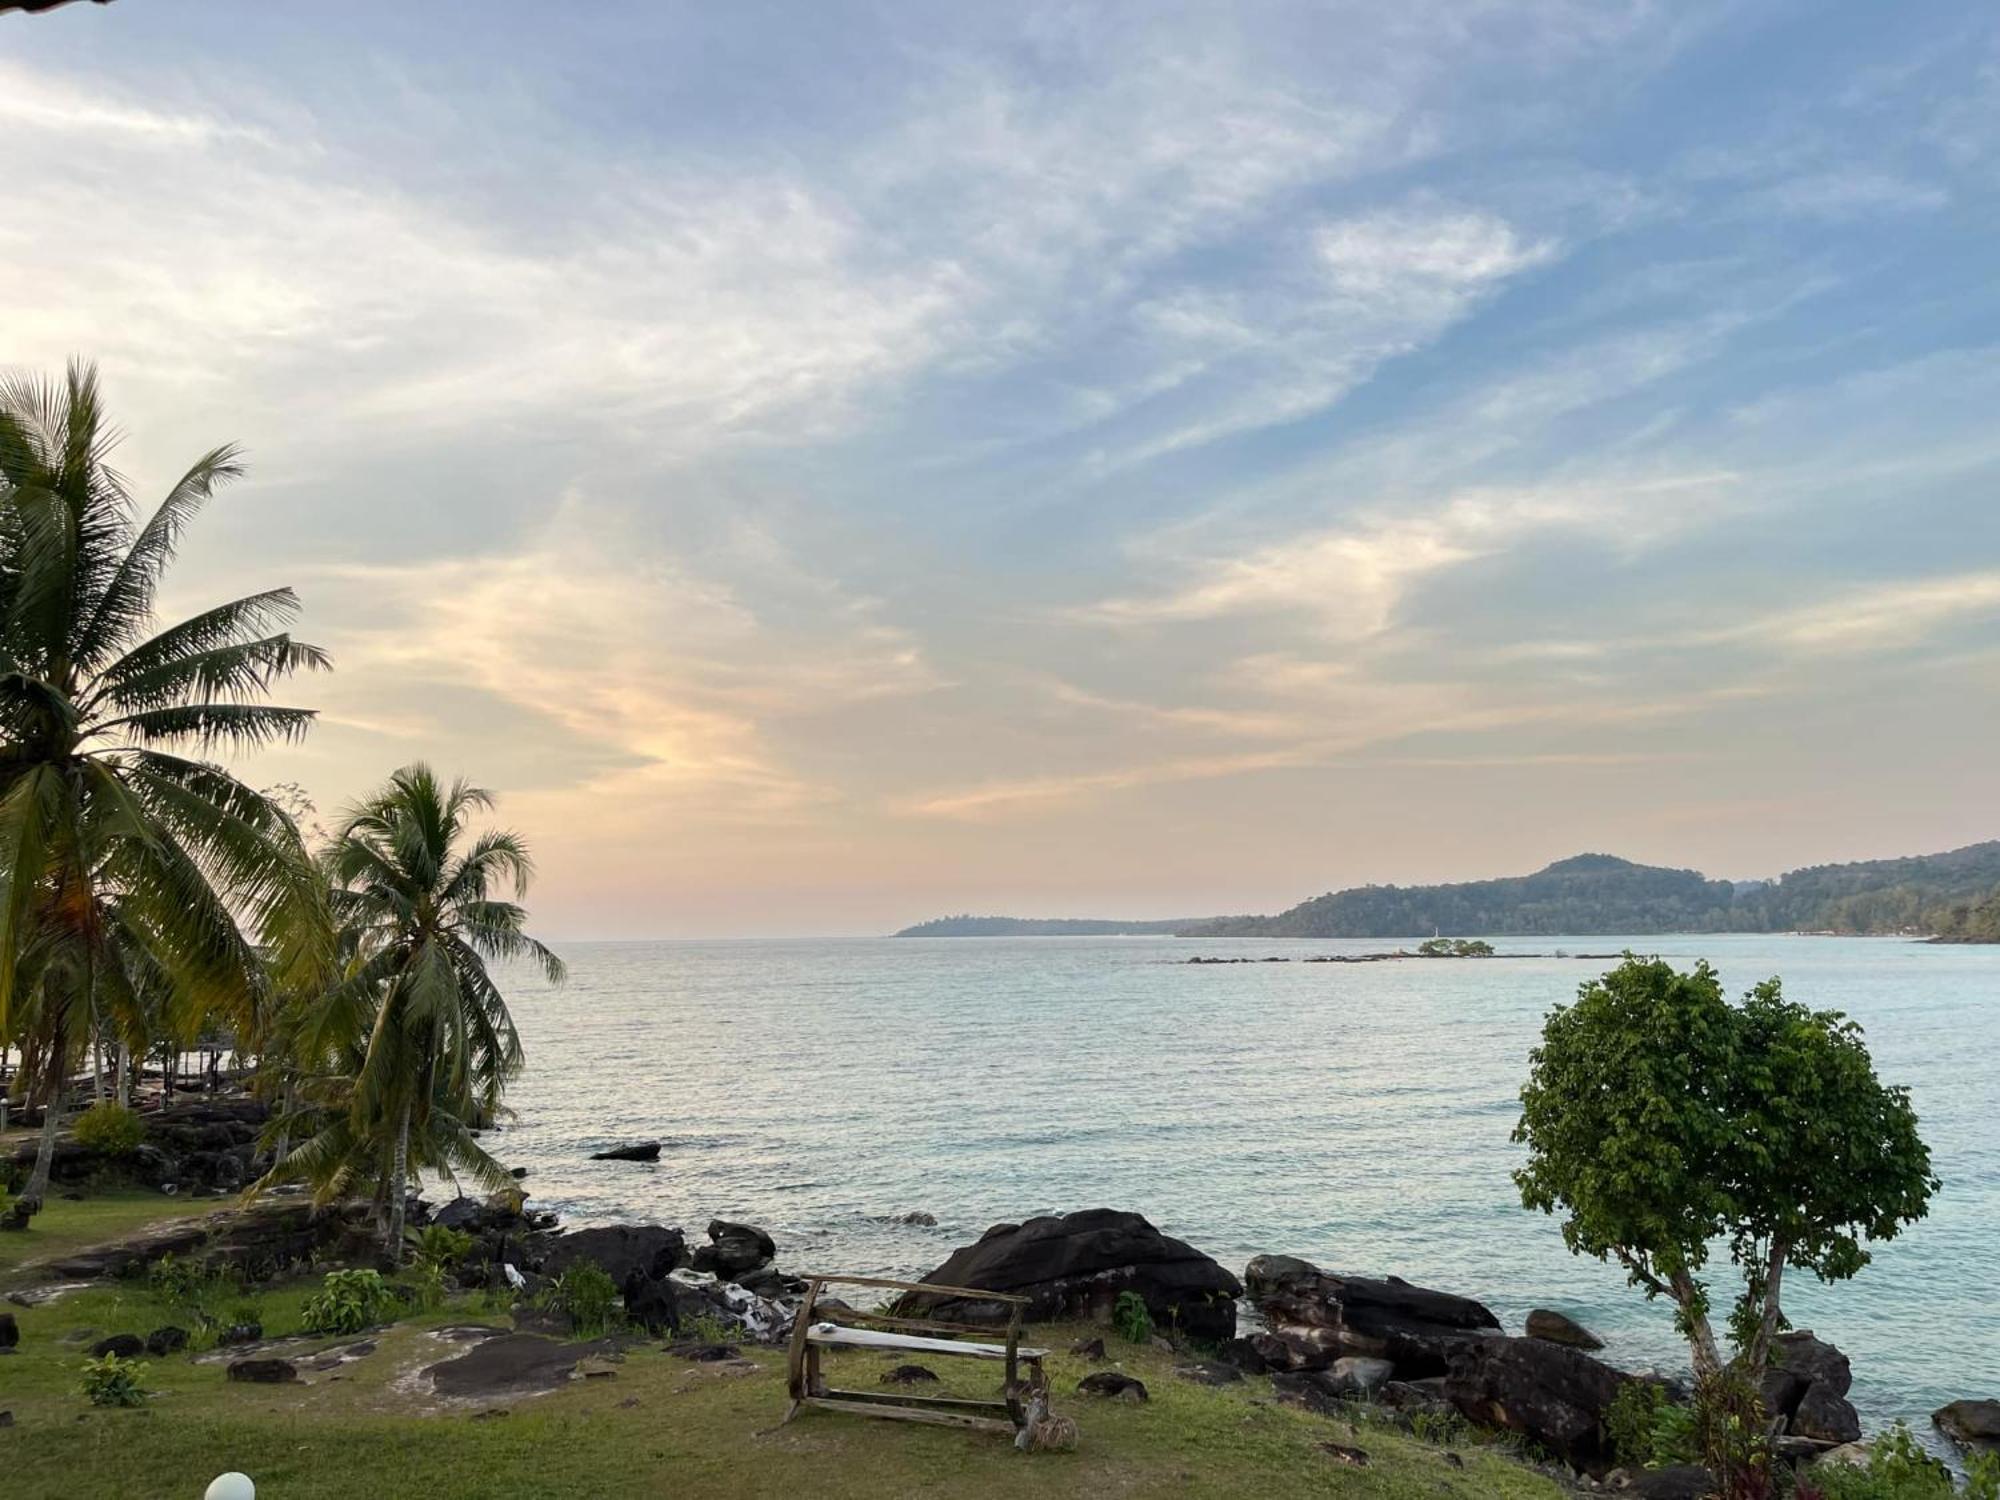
{"type": "Point", "coordinates": [64, 1226]}
{"type": "Point", "coordinates": [659, 1426]}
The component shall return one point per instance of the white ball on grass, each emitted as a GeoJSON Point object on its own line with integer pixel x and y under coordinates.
{"type": "Point", "coordinates": [231, 1486]}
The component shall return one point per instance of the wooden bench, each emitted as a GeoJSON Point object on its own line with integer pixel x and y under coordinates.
{"type": "Point", "coordinates": [820, 1328]}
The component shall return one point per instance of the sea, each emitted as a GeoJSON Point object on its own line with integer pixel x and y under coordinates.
{"type": "Point", "coordinates": [1357, 1115]}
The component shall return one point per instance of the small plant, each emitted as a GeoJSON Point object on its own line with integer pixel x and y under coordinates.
{"type": "Point", "coordinates": [1130, 1318]}
{"type": "Point", "coordinates": [441, 1246]}
{"type": "Point", "coordinates": [1441, 1429]}
{"type": "Point", "coordinates": [182, 1284]}
{"type": "Point", "coordinates": [1630, 1422]}
{"type": "Point", "coordinates": [110, 1129]}
{"type": "Point", "coordinates": [708, 1328]}
{"type": "Point", "coordinates": [426, 1285]}
{"type": "Point", "coordinates": [586, 1295]}
{"type": "Point", "coordinates": [347, 1302]}
{"type": "Point", "coordinates": [1982, 1477]}
{"type": "Point", "coordinates": [113, 1381]}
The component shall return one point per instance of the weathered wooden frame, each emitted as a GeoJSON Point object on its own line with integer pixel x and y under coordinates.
{"type": "Point", "coordinates": [916, 1335]}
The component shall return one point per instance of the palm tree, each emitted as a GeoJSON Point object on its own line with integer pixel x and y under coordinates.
{"type": "Point", "coordinates": [119, 837]}
{"type": "Point", "coordinates": [433, 1044]}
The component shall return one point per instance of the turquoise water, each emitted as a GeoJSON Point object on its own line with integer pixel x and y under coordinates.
{"type": "Point", "coordinates": [1355, 1114]}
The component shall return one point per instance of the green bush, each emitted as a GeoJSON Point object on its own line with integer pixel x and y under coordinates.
{"type": "Point", "coordinates": [110, 1129]}
{"type": "Point", "coordinates": [1131, 1319]}
{"type": "Point", "coordinates": [113, 1381]}
{"type": "Point", "coordinates": [347, 1302]}
{"type": "Point", "coordinates": [425, 1281]}
{"type": "Point", "coordinates": [1897, 1469]}
{"type": "Point", "coordinates": [586, 1295]}
{"type": "Point", "coordinates": [437, 1245]}
{"type": "Point", "coordinates": [1630, 1421]}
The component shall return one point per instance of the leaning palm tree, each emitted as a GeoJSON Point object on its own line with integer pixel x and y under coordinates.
{"type": "Point", "coordinates": [119, 835]}
{"type": "Point", "coordinates": [418, 897]}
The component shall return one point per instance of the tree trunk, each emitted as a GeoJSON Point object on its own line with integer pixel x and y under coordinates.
{"type": "Point", "coordinates": [45, 1151]}
{"type": "Point", "coordinates": [96, 1071]}
{"type": "Point", "coordinates": [124, 1075]}
{"type": "Point", "coordinates": [1759, 1352]}
{"type": "Point", "coordinates": [399, 1185]}
{"type": "Point", "coordinates": [1700, 1336]}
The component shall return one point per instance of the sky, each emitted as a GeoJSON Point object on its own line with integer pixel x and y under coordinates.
{"type": "Point", "coordinates": [828, 465]}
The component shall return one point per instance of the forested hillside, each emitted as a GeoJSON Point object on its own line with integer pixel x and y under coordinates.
{"type": "Point", "coordinates": [1954, 895]}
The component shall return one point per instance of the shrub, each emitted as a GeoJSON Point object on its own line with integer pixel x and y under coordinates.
{"type": "Point", "coordinates": [426, 1285]}
{"type": "Point", "coordinates": [1131, 1319]}
{"type": "Point", "coordinates": [184, 1284]}
{"type": "Point", "coordinates": [440, 1246]}
{"type": "Point", "coordinates": [113, 1381]}
{"type": "Point", "coordinates": [1897, 1469]}
{"type": "Point", "coordinates": [1630, 1421]}
{"type": "Point", "coordinates": [347, 1302]}
{"type": "Point", "coordinates": [110, 1129]}
{"type": "Point", "coordinates": [585, 1294]}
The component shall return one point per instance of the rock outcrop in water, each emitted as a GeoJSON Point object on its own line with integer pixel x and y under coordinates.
{"type": "Point", "coordinates": [1313, 1317]}
{"type": "Point", "coordinates": [1076, 1265]}
{"type": "Point", "coordinates": [1806, 1388]}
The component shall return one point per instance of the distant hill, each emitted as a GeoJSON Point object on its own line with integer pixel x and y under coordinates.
{"type": "Point", "coordinates": [1955, 895]}
{"type": "Point", "coordinates": [1042, 927]}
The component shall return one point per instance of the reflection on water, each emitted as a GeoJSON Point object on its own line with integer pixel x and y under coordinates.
{"type": "Point", "coordinates": [1355, 1114]}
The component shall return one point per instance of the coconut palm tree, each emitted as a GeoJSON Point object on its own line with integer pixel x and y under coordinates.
{"type": "Point", "coordinates": [418, 897]}
{"type": "Point", "coordinates": [119, 835]}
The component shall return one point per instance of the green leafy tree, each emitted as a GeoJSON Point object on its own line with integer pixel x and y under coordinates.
{"type": "Point", "coordinates": [1661, 1120]}
{"type": "Point", "coordinates": [122, 845]}
{"type": "Point", "coordinates": [431, 1041]}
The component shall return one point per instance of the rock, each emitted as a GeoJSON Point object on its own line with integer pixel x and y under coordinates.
{"type": "Point", "coordinates": [661, 1306]}
{"type": "Point", "coordinates": [10, 1331]}
{"type": "Point", "coordinates": [517, 1173]}
{"type": "Point", "coordinates": [1315, 1317]}
{"type": "Point", "coordinates": [1825, 1416]}
{"type": "Point", "coordinates": [734, 1250]}
{"type": "Point", "coordinates": [1091, 1349]}
{"type": "Point", "coordinates": [1676, 1482]}
{"type": "Point", "coordinates": [1853, 1455]}
{"type": "Point", "coordinates": [6, 1419]}
{"type": "Point", "coordinates": [1354, 1458]}
{"type": "Point", "coordinates": [920, 1218]}
{"type": "Point", "coordinates": [1209, 1372]}
{"type": "Point", "coordinates": [650, 1151]}
{"type": "Point", "coordinates": [1556, 1395]}
{"type": "Point", "coordinates": [240, 1333]}
{"type": "Point", "coordinates": [124, 1345]}
{"type": "Point", "coordinates": [164, 1341]}
{"type": "Point", "coordinates": [1075, 1265]}
{"type": "Point", "coordinates": [1780, 1390]}
{"type": "Point", "coordinates": [909, 1375]}
{"type": "Point", "coordinates": [622, 1251]}
{"type": "Point", "coordinates": [512, 1362]}
{"type": "Point", "coordinates": [1412, 1396]}
{"type": "Point", "coordinates": [263, 1240]}
{"type": "Point", "coordinates": [1310, 1390]}
{"type": "Point", "coordinates": [1812, 1360]}
{"type": "Point", "coordinates": [696, 1352]}
{"type": "Point", "coordinates": [1558, 1328]}
{"type": "Point", "coordinates": [1113, 1386]}
{"type": "Point", "coordinates": [263, 1371]}
{"type": "Point", "coordinates": [1971, 1424]}
{"type": "Point", "coordinates": [1245, 1355]}
{"type": "Point", "coordinates": [770, 1282]}
{"type": "Point", "coordinates": [1359, 1376]}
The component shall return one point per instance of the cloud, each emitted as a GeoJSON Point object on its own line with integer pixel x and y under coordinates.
{"type": "Point", "coordinates": [1349, 579]}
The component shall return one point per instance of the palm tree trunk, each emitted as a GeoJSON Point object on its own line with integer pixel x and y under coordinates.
{"type": "Point", "coordinates": [96, 1071]}
{"type": "Point", "coordinates": [45, 1150]}
{"type": "Point", "coordinates": [124, 1075]}
{"type": "Point", "coordinates": [399, 1185]}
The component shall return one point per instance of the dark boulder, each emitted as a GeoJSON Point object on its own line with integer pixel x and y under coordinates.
{"type": "Point", "coordinates": [1090, 1349]}
{"type": "Point", "coordinates": [1973, 1424]}
{"type": "Point", "coordinates": [1242, 1353]}
{"type": "Point", "coordinates": [1825, 1416]}
{"type": "Point", "coordinates": [1314, 1317]}
{"type": "Point", "coordinates": [1209, 1372]}
{"type": "Point", "coordinates": [734, 1250]}
{"type": "Point", "coordinates": [650, 1151]}
{"type": "Point", "coordinates": [622, 1251]}
{"type": "Point", "coordinates": [1076, 1265]}
{"type": "Point", "coordinates": [1813, 1360]}
{"type": "Point", "coordinates": [240, 1333]}
{"type": "Point", "coordinates": [263, 1371]}
{"type": "Point", "coordinates": [510, 1363]}
{"type": "Point", "coordinates": [1556, 1395]}
{"type": "Point", "coordinates": [1113, 1386]}
{"type": "Point", "coordinates": [10, 1331]}
{"type": "Point", "coordinates": [1310, 1390]}
{"type": "Point", "coordinates": [660, 1305]}
{"type": "Point", "coordinates": [1560, 1328]}
{"type": "Point", "coordinates": [168, 1340]}
{"type": "Point", "coordinates": [124, 1345]}
{"type": "Point", "coordinates": [909, 1375]}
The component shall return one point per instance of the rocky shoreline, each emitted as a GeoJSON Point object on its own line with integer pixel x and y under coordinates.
{"type": "Point", "coordinates": [1325, 1341]}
